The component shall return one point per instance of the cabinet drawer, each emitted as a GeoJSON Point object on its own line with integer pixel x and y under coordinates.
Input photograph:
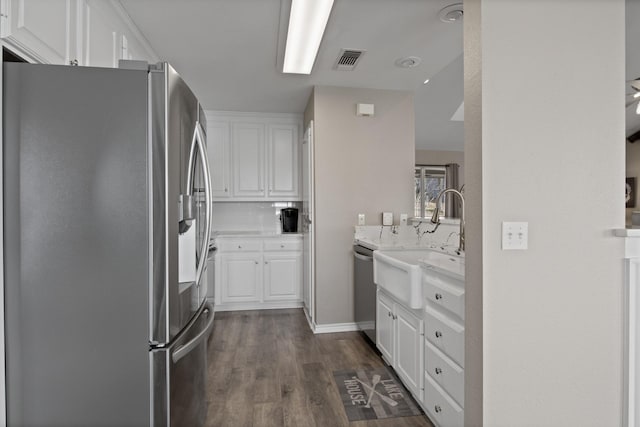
{"type": "Point", "coordinates": [283, 245]}
{"type": "Point", "coordinates": [440, 407]}
{"type": "Point", "coordinates": [233, 245]}
{"type": "Point", "coordinates": [446, 373]}
{"type": "Point", "coordinates": [446, 334]}
{"type": "Point", "coordinates": [444, 294]}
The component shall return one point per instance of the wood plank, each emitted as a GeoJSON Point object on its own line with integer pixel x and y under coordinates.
{"type": "Point", "coordinates": [266, 368]}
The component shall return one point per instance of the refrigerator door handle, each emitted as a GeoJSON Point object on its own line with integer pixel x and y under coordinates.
{"type": "Point", "coordinates": [198, 140]}
{"type": "Point", "coordinates": [183, 350]}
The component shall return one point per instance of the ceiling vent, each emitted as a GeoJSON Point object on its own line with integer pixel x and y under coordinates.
{"type": "Point", "coordinates": [348, 59]}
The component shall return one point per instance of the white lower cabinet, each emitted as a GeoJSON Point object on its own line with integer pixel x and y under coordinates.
{"type": "Point", "coordinates": [440, 407]}
{"type": "Point", "coordinates": [241, 275]}
{"type": "Point", "coordinates": [258, 272]}
{"type": "Point", "coordinates": [443, 349]}
{"type": "Point", "coordinates": [399, 333]}
{"type": "Point", "coordinates": [282, 276]}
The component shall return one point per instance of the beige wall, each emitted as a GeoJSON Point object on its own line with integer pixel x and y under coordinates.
{"type": "Point", "coordinates": [362, 165]}
{"type": "Point", "coordinates": [438, 157]}
{"type": "Point", "coordinates": [552, 315]}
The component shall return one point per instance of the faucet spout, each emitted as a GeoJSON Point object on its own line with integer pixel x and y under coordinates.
{"type": "Point", "coordinates": [435, 218]}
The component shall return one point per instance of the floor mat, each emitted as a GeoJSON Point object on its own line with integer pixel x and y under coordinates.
{"type": "Point", "coordinates": [374, 393]}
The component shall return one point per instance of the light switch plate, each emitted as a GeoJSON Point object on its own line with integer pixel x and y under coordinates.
{"type": "Point", "coordinates": [360, 219]}
{"type": "Point", "coordinates": [515, 236]}
{"type": "Point", "coordinates": [387, 218]}
{"type": "Point", "coordinates": [403, 219]}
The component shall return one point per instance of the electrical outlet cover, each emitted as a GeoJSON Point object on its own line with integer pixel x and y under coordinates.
{"type": "Point", "coordinates": [360, 219]}
{"type": "Point", "coordinates": [387, 218]}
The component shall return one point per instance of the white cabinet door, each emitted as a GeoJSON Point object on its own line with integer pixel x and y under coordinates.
{"type": "Point", "coordinates": [241, 277]}
{"type": "Point", "coordinates": [248, 160]}
{"type": "Point", "coordinates": [384, 326]}
{"type": "Point", "coordinates": [101, 38]}
{"type": "Point", "coordinates": [409, 350]}
{"type": "Point", "coordinates": [218, 145]}
{"type": "Point", "coordinates": [40, 28]}
{"type": "Point", "coordinates": [282, 276]}
{"type": "Point", "coordinates": [283, 161]}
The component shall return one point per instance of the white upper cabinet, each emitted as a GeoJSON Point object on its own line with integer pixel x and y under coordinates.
{"type": "Point", "coordinates": [254, 157]}
{"type": "Point", "coordinates": [218, 146]}
{"type": "Point", "coordinates": [248, 159]}
{"type": "Point", "coordinates": [283, 161]}
{"type": "Point", "coordinates": [79, 32]}
{"type": "Point", "coordinates": [40, 28]}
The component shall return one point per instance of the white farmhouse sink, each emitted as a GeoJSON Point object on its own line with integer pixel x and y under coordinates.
{"type": "Point", "coordinates": [451, 265]}
{"type": "Point", "coordinates": [399, 273]}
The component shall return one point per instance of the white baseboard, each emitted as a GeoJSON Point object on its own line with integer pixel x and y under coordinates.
{"type": "Point", "coordinates": [335, 327]}
{"type": "Point", "coordinates": [237, 306]}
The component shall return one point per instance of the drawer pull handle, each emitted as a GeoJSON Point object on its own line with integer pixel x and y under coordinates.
{"type": "Point", "coordinates": [437, 408]}
{"type": "Point", "coordinates": [438, 296]}
{"type": "Point", "coordinates": [438, 371]}
{"type": "Point", "coordinates": [438, 334]}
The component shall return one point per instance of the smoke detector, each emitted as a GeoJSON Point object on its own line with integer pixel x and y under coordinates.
{"type": "Point", "coordinates": [408, 62]}
{"type": "Point", "coordinates": [451, 13]}
{"type": "Point", "coordinates": [348, 59]}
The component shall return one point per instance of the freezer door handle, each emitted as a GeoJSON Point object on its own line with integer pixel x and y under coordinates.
{"type": "Point", "coordinates": [198, 144]}
{"type": "Point", "coordinates": [182, 350]}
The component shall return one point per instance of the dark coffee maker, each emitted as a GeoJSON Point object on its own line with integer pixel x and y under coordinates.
{"type": "Point", "coordinates": [289, 220]}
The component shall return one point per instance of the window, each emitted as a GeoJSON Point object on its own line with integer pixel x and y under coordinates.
{"type": "Point", "coordinates": [429, 182]}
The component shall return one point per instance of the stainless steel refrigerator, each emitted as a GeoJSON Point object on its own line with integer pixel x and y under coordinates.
{"type": "Point", "coordinates": [106, 221]}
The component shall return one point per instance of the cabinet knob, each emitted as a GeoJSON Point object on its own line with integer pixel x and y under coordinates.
{"type": "Point", "coordinates": [266, 262]}
{"type": "Point", "coordinates": [438, 334]}
{"type": "Point", "coordinates": [226, 190]}
{"type": "Point", "coordinates": [257, 263]}
{"type": "Point", "coordinates": [239, 247]}
{"type": "Point", "coordinates": [438, 296]}
{"type": "Point", "coordinates": [437, 408]}
{"type": "Point", "coordinates": [388, 314]}
{"type": "Point", "coordinates": [438, 371]}
{"type": "Point", "coordinates": [282, 246]}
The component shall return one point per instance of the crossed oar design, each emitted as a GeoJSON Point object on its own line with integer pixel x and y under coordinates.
{"type": "Point", "coordinates": [375, 381]}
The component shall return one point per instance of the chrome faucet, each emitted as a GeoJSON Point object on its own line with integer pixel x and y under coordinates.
{"type": "Point", "coordinates": [435, 218]}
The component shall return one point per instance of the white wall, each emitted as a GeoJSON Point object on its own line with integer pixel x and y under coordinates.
{"type": "Point", "coordinates": [552, 155]}
{"type": "Point", "coordinates": [362, 165]}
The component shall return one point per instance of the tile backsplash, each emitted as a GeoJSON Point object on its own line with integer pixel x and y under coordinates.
{"type": "Point", "coordinates": [253, 216]}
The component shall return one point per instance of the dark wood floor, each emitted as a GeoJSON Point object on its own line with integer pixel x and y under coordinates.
{"type": "Point", "coordinates": [266, 368]}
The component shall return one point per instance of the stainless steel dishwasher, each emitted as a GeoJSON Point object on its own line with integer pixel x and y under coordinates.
{"type": "Point", "coordinates": [364, 291]}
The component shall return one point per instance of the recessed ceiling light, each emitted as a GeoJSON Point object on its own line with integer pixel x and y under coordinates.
{"type": "Point", "coordinates": [408, 62]}
{"type": "Point", "coordinates": [307, 22]}
{"type": "Point", "coordinates": [451, 13]}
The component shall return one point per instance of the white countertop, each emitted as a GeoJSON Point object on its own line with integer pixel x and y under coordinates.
{"type": "Point", "coordinates": [250, 234]}
{"type": "Point", "coordinates": [627, 232]}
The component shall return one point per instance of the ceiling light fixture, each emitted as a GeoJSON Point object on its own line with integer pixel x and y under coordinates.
{"type": "Point", "coordinates": [425, 82]}
{"type": "Point", "coordinates": [636, 95]}
{"type": "Point", "coordinates": [452, 13]}
{"type": "Point", "coordinates": [307, 22]}
{"type": "Point", "coordinates": [408, 62]}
